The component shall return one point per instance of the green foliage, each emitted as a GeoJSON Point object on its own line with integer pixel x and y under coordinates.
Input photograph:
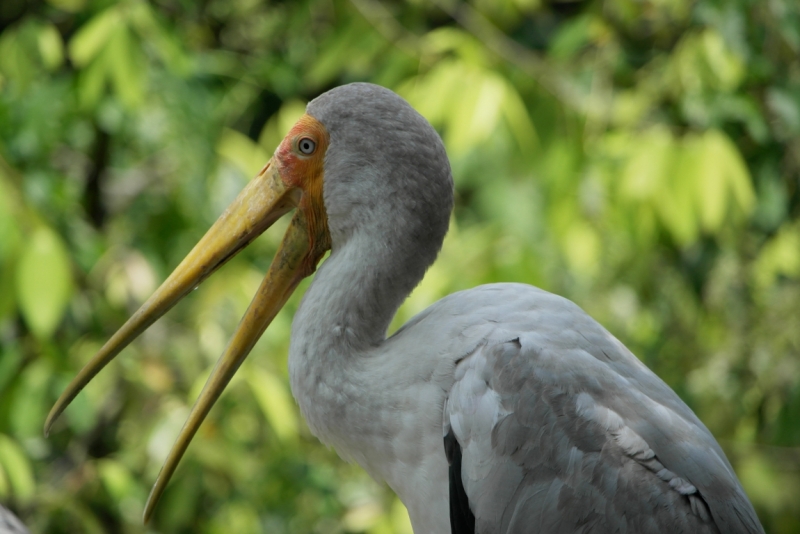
{"type": "Point", "coordinates": [639, 157]}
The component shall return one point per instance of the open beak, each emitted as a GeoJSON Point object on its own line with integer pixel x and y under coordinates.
{"type": "Point", "coordinates": [265, 199]}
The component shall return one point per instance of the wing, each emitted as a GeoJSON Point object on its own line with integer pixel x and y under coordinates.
{"type": "Point", "coordinates": [560, 429]}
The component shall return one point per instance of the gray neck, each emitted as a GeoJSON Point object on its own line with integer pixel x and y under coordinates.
{"type": "Point", "coordinates": [354, 296]}
{"type": "Point", "coordinates": [340, 326]}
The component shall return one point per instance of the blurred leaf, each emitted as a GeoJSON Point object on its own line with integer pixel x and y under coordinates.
{"type": "Point", "coordinates": [725, 181]}
{"type": "Point", "coordinates": [30, 399]}
{"type": "Point", "coordinates": [240, 150]}
{"type": "Point", "coordinates": [70, 6]}
{"type": "Point", "coordinates": [9, 244]}
{"type": "Point", "coordinates": [123, 488]}
{"type": "Point", "coordinates": [91, 83]}
{"type": "Point", "coordinates": [779, 256]}
{"type": "Point", "coordinates": [785, 107]}
{"type": "Point", "coordinates": [275, 402]}
{"type": "Point", "coordinates": [280, 123]}
{"type": "Point", "coordinates": [153, 33]}
{"type": "Point", "coordinates": [44, 281]}
{"type": "Point", "coordinates": [9, 365]}
{"type": "Point", "coordinates": [5, 487]}
{"type": "Point", "coordinates": [94, 36]}
{"type": "Point", "coordinates": [15, 59]}
{"type": "Point", "coordinates": [235, 517]}
{"type": "Point", "coordinates": [726, 66]}
{"type": "Point", "coordinates": [571, 38]}
{"type": "Point", "coordinates": [123, 59]}
{"type": "Point", "coordinates": [51, 47]}
{"type": "Point", "coordinates": [17, 469]}
{"type": "Point", "coordinates": [400, 519]}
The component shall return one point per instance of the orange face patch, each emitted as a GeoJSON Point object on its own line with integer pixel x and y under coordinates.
{"type": "Point", "coordinates": [301, 160]}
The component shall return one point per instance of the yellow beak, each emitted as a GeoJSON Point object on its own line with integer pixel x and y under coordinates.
{"type": "Point", "coordinates": [265, 199]}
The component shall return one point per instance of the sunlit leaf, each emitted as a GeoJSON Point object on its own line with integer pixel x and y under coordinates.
{"type": "Point", "coordinates": [399, 518]}
{"type": "Point", "coordinates": [779, 256]}
{"type": "Point", "coordinates": [17, 468]}
{"type": "Point", "coordinates": [725, 65]}
{"type": "Point", "coordinates": [93, 36]}
{"type": "Point", "coordinates": [123, 60]}
{"type": "Point", "coordinates": [240, 150]}
{"type": "Point", "coordinates": [582, 248]}
{"type": "Point", "coordinates": [5, 486]}
{"type": "Point", "coordinates": [275, 402]}
{"type": "Point", "coordinates": [70, 6]}
{"type": "Point", "coordinates": [571, 38]}
{"type": "Point", "coordinates": [44, 281]}
{"type": "Point", "coordinates": [90, 84]}
{"type": "Point", "coordinates": [122, 486]}
{"type": "Point", "coordinates": [725, 181]}
{"type": "Point", "coordinates": [51, 47]}
{"type": "Point", "coordinates": [153, 33]}
{"type": "Point", "coordinates": [9, 245]}
{"type": "Point", "coordinates": [279, 124]}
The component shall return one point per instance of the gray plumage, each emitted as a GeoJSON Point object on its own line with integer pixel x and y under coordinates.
{"type": "Point", "coordinates": [561, 428]}
{"type": "Point", "coordinates": [9, 524]}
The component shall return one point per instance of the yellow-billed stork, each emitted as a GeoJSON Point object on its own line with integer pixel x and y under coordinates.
{"type": "Point", "coordinates": [501, 409]}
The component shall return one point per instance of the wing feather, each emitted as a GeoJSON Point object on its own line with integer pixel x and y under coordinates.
{"type": "Point", "coordinates": [562, 429]}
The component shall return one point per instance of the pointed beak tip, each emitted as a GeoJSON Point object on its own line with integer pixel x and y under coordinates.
{"type": "Point", "coordinates": [48, 423]}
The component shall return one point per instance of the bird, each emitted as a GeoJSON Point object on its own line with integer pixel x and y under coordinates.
{"type": "Point", "coordinates": [498, 409]}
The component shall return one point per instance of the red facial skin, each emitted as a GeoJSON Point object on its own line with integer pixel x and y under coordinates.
{"type": "Point", "coordinates": [306, 172]}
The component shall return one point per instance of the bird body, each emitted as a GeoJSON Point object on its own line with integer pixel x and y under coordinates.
{"type": "Point", "coordinates": [560, 426]}
{"type": "Point", "coordinates": [500, 409]}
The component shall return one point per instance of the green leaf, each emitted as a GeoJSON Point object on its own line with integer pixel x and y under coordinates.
{"type": "Point", "coordinates": [91, 82]}
{"type": "Point", "coordinates": [51, 47]}
{"type": "Point", "coordinates": [144, 20]}
{"type": "Point", "coordinates": [93, 36]}
{"type": "Point", "coordinates": [126, 68]}
{"type": "Point", "coordinates": [44, 282]}
{"type": "Point", "coordinates": [5, 487]}
{"type": "Point", "coordinates": [571, 37]}
{"type": "Point", "coordinates": [31, 398]}
{"type": "Point", "coordinates": [724, 182]}
{"type": "Point", "coordinates": [70, 6]}
{"type": "Point", "coordinates": [9, 246]}
{"type": "Point", "coordinates": [275, 401]}
{"type": "Point", "coordinates": [240, 150]}
{"type": "Point", "coordinates": [280, 123]}
{"type": "Point", "coordinates": [779, 256]}
{"type": "Point", "coordinates": [123, 488]}
{"type": "Point", "coordinates": [711, 182]}
{"type": "Point", "coordinates": [17, 468]}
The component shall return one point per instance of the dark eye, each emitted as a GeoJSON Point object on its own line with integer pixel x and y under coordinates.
{"type": "Point", "coordinates": [307, 145]}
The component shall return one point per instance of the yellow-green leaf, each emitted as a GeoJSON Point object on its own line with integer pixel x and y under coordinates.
{"type": "Point", "coordinates": [51, 47]}
{"type": "Point", "coordinates": [44, 282]}
{"type": "Point", "coordinates": [70, 6]}
{"type": "Point", "coordinates": [93, 36]}
{"type": "Point", "coordinates": [275, 401]}
{"type": "Point", "coordinates": [17, 468]}
{"type": "Point", "coordinates": [240, 150]}
{"type": "Point", "coordinates": [125, 65]}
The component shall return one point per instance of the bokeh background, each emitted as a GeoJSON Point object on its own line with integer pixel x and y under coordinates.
{"type": "Point", "coordinates": [640, 157]}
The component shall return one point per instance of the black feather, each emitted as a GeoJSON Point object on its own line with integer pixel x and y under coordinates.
{"type": "Point", "coordinates": [462, 520]}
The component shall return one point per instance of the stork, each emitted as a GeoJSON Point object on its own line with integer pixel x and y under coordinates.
{"type": "Point", "coordinates": [500, 409]}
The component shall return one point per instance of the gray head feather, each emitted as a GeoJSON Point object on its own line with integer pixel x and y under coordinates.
{"type": "Point", "coordinates": [385, 166]}
{"type": "Point", "coordinates": [388, 193]}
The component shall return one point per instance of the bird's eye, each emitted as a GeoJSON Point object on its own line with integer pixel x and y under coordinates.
{"type": "Point", "coordinates": [307, 145]}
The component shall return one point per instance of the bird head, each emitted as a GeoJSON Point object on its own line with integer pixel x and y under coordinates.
{"type": "Point", "coordinates": [354, 150]}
